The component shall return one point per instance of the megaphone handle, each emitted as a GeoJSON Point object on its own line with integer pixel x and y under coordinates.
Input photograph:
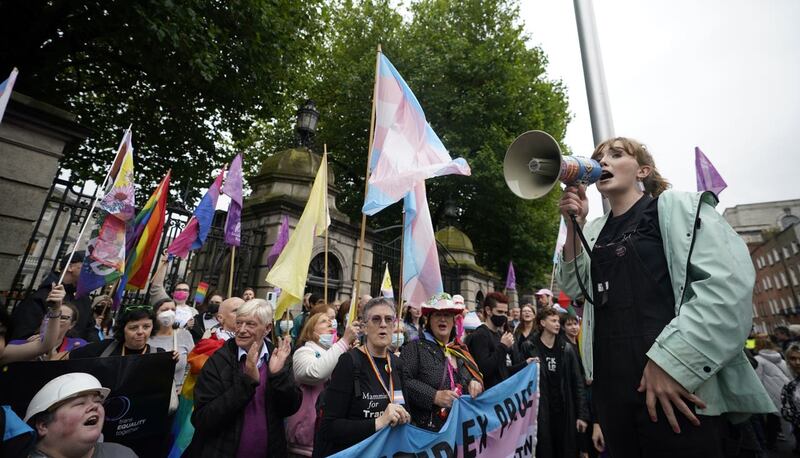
{"type": "Point", "coordinates": [577, 230]}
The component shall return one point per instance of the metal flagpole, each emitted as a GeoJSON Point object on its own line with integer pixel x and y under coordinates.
{"type": "Point", "coordinates": [327, 230]}
{"type": "Point", "coordinates": [594, 76]}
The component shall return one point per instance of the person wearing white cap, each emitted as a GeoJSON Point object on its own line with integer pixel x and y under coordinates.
{"type": "Point", "coordinates": [68, 416]}
{"type": "Point", "coordinates": [544, 298]}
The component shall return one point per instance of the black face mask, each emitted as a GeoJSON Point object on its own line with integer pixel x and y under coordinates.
{"type": "Point", "coordinates": [499, 320]}
{"type": "Point", "coordinates": [212, 310]}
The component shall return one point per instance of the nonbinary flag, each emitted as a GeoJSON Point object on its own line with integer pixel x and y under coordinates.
{"type": "Point", "coordinates": [511, 277]}
{"type": "Point", "coordinates": [422, 277]}
{"type": "Point", "coordinates": [291, 269]}
{"type": "Point", "coordinates": [6, 87]}
{"type": "Point", "coordinates": [194, 234]}
{"type": "Point", "coordinates": [708, 179]}
{"type": "Point", "coordinates": [560, 240]}
{"type": "Point", "coordinates": [405, 149]}
{"type": "Point", "coordinates": [386, 284]}
{"type": "Point", "coordinates": [233, 189]}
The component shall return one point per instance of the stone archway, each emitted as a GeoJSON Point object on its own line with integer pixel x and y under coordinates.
{"type": "Point", "coordinates": [316, 276]}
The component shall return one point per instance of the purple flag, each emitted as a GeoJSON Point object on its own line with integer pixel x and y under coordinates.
{"type": "Point", "coordinates": [511, 277]}
{"type": "Point", "coordinates": [233, 189]}
{"type": "Point", "coordinates": [280, 242]}
{"type": "Point", "coordinates": [708, 179]}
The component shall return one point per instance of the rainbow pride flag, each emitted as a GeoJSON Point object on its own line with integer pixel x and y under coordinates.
{"type": "Point", "coordinates": [200, 294]}
{"type": "Point", "coordinates": [148, 226]}
{"type": "Point", "coordinates": [182, 428]}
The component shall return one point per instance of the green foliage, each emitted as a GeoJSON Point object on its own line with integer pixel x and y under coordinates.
{"type": "Point", "coordinates": [480, 86]}
{"type": "Point", "coordinates": [191, 76]}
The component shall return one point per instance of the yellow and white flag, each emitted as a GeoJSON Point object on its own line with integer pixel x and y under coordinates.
{"type": "Point", "coordinates": [386, 284]}
{"type": "Point", "coordinates": [290, 271]}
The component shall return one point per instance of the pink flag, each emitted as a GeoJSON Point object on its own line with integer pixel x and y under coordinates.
{"type": "Point", "coordinates": [280, 242]}
{"type": "Point", "coordinates": [405, 150]}
{"type": "Point", "coordinates": [194, 234]}
{"type": "Point", "coordinates": [233, 189]}
{"type": "Point", "coordinates": [708, 179]}
{"type": "Point", "coordinates": [422, 277]}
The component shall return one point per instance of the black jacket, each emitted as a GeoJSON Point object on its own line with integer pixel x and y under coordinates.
{"type": "Point", "coordinates": [575, 403]}
{"type": "Point", "coordinates": [490, 354]}
{"type": "Point", "coordinates": [220, 396]}
{"type": "Point", "coordinates": [425, 373]}
{"type": "Point", "coordinates": [28, 314]}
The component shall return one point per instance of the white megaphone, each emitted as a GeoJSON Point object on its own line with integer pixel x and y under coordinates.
{"type": "Point", "coordinates": [534, 164]}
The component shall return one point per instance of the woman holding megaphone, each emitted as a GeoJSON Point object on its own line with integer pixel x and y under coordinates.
{"type": "Point", "coordinates": [669, 287]}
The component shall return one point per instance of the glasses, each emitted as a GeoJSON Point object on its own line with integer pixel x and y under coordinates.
{"type": "Point", "coordinates": [65, 317]}
{"type": "Point", "coordinates": [186, 290]}
{"type": "Point", "coordinates": [377, 320]}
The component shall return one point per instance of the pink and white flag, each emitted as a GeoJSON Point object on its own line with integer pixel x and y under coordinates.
{"type": "Point", "coordinates": [405, 149]}
{"type": "Point", "coordinates": [422, 277]}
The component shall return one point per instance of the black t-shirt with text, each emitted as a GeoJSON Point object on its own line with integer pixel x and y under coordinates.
{"type": "Point", "coordinates": [551, 366]}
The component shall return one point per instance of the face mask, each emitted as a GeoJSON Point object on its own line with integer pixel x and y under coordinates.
{"type": "Point", "coordinates": [166, 318]}
{"type": "Point", "coordinates": [286, 326]}
{"type": "Point", "coordinates": [334, 323]}
{"type": "Point", "coordinates": [213, 308]}
{"type": "Point", "coordinates": [499, 320]}
{"type": "Point", "coordinates": [180, 296]}
{"type": "Point", "coordinates": [326, 340]}
{"type": "Point", "coordinates": [398, 340]}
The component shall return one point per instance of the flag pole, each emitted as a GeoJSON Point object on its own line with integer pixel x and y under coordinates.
{"type": "Point", "coordinates": [400, 283]}
{"type": "Point", "coordinates": [230, 277]}
{"type": "Point", "coordinates": [366, 178]}
{"type": "Point", "coordinates": [552, 277]}
{"type": "Point", "coordinates": [91, 209]}
{"type": "Point", "coordinates": [327, 230]}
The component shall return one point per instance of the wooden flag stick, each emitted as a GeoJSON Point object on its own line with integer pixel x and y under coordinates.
{"type": "Point", "coordinates": [366, 178]}
{"type": "Point", "coordinates": [230, 277]}
{"type": "Point", "coordinates": [400, 284]}
{"type": "Point", "coordinates": [327, 229]}
{"type": "Point", "coordinates": [552, 277]}
{"type": "Point", "coordinates": [91, 209]}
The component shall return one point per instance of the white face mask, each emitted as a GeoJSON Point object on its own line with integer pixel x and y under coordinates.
{"type": "Point", "coordinates": [166, 318]}
{"type": "Point", "coordinates": [326, 340]}
{"type": "Point", "coordinates": [286, 326]}
{"type": "Point", "coordinates": [398, 340]}
{"type": "Point", "coordinates": [334, 324]}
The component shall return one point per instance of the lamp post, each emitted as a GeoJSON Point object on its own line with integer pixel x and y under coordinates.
{"type": "Point", "coordinates": [306, 126]}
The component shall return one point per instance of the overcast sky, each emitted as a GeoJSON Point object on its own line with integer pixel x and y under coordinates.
{"type": "Point", "coordinates": [721, 75]}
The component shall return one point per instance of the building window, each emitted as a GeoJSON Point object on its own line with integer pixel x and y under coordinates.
{"type": "Point", "coordinates": [783, 280]}
{"type": "Point", "coordinates": [755, 311]}
{"type": "Point", "coordinates": [777, 281]}
{"type": "Point", "coordinates": [786, 252]}
{"type": "Point", "coordinates": [794, 276]}
{"type": "Point", "coordinates": [775, 255]}
{"type": "Point", "coordinates": [795, 247]}
{"type": "Point", "coordinates": [784, 306]}
{"type": "Point", "coordinates": [791, 301]}
{"type": "Point", "coordinates": [769, 258]}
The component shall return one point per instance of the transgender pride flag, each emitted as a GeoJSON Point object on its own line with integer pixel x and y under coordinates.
{"type": "Point", "coordinates": [405, 150]}
{"type": "Point", "coordinates": [5, 91]}
{"type": "Point", "coordinates": [422, 277]}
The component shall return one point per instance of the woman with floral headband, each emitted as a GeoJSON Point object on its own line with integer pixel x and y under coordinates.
{"type": "Point", "coordinates": [438, 368]}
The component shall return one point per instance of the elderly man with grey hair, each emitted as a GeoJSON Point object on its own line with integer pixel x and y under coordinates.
{"type": "Point", "coordinates": [245, 391]}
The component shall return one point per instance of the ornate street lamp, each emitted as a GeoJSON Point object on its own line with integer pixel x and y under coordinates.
{"type": "Point", "coordinates": [306, 127]}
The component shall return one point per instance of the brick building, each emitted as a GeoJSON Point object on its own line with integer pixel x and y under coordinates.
{"type": "Point", "coordinates": [776, 295]}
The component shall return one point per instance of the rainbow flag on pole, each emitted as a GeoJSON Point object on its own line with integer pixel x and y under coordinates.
{"type": "Point", "coordinates": [148, 226]}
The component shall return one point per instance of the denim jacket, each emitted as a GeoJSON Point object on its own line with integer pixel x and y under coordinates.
{"type": "Point", "coordinates": [712, 277]}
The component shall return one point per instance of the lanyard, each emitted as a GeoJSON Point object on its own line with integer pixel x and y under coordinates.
{"type": "Point", "coordinates": [390, 390]}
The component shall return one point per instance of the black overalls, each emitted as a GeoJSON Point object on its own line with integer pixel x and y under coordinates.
{"type": "Point", "coordinates": [631, 310]}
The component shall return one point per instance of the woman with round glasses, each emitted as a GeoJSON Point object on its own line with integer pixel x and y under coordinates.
{"type": "Point", "coordinates": [365, 390]}
{"type": "Point", "coordinates": [437, 368]}
{"type": "Point", "coordinates": [66, 321]}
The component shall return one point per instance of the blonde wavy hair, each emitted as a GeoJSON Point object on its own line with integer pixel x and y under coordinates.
{"type": "Point", "coordinates": [654, 183]}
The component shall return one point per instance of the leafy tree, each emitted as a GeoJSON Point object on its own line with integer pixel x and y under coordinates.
{"type": "Point", "coordinates": [480, 86]}
{"type": "Point", "coordinates": [193, 77]}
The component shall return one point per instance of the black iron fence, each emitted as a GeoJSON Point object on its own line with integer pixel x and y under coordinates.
{"type": "Point", "coordinates": [64, 212]}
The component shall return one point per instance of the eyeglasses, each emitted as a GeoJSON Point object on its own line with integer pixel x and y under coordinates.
{"type": "Point", "coordinates": [377, 320]}
{"type": "Point", "coordinates": [186, 290]}
{"type": "Point", "coordinates": [65, 317]}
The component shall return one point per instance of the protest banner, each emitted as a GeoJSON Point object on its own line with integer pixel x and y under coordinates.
{"type": "Point", "coordinates": [137, 408]}
{"type": "Point", "coordinates": [499, 423]}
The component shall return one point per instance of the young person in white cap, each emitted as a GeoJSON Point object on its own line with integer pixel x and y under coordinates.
{"type": "Point", "coordinates": [67, 415]}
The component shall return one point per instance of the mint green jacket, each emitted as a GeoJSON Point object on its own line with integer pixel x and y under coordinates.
{"type": "Point", "coordinates": [712, 277]}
